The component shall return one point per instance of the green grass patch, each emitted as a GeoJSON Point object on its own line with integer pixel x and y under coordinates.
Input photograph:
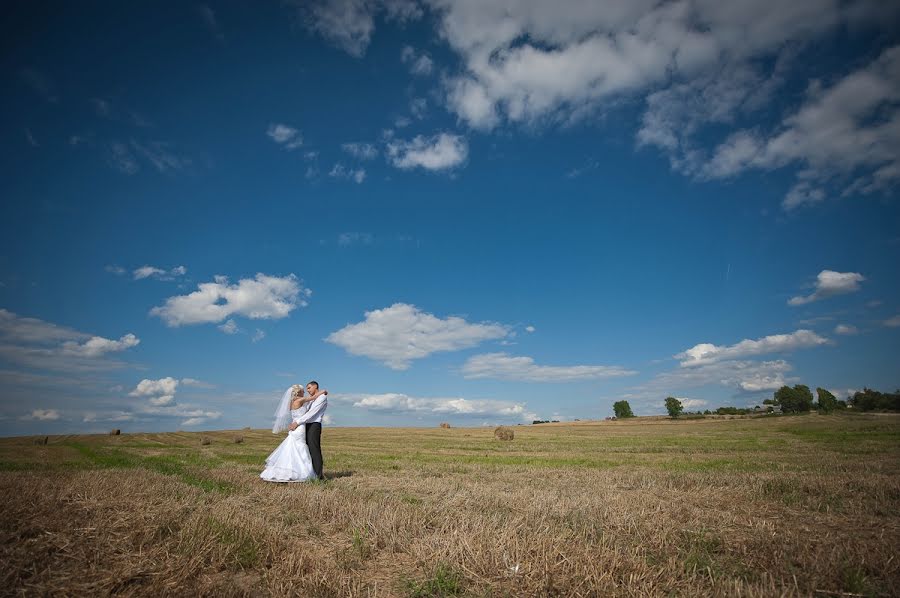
{"type": "Point", "coordinates": [443, 581]}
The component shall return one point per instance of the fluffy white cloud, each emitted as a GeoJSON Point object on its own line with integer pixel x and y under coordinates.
{"type": "Point", "coordinates": [262, 297]}
{"type": "Point", "coordinates": [701, 65]}
{"type": "Point", "coordinates": [846, 329]}
{"type": "Point", "coordinates": [706, 353]}
{"type": "Point", "coordinates": [159, 273]}
{"type": "Point", "coordinates": [44, 415]}
{"type": "Point", "coordinates": [530, 329]}
{"type": "Point", "coordinates": [691, 403]}
{"type": "Point", "coordinates": [418, 63]}
{"type": "Point", "coordinates": [401, 403]}
{"type": "Point", "coordinates": [847, 129]}
{"type": "Point", "coordinates": [38, 344]}
{"type": "Point", "coordinates": [285, 135]}
{"type": "Point", "coordinates": [830, 283]}
{"type": "Point", "coordinates": [339, 171]}
{"type": "Point", "coordinates": [438, 152]}
{"type": "Point", "coordinates": [360, 150]}
{"type": "Point", "coordinates": [401, 333]}
{"type": "Point", "coordinates": [158, 392]}
{"type": "Point", "coordinates": [97, 346]}
{"type": "Point", "coordinates": [740, 375]}
{"type": "Point", "coordinates": [508, 367]}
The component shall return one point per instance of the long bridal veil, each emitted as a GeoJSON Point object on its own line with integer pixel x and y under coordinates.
{"type": "Point", "coordinates": [283, 413]}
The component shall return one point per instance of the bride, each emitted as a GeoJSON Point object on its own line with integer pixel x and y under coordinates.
{"type": "Point", "coordinates": [290, 462]}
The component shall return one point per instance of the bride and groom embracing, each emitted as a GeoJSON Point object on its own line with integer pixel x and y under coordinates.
{"type": "Point", "coordinates": [299, 457]}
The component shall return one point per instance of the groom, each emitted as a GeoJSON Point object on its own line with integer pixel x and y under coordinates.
{"type": "Point", "coordinates": [312, 419]}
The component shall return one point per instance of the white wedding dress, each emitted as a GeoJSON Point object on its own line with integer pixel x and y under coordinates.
{"type": "Point", "coordinates": [290, 462]}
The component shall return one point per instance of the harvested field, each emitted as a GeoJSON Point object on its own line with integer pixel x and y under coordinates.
{"type": "Point", "coordinates": [806, 505]}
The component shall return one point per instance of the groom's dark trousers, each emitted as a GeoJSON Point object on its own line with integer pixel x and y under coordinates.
{"type": "Point", "coordinates": [314, 442]}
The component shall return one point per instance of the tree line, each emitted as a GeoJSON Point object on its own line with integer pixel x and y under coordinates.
{"type": "Point", "coordinates": [787, 399]}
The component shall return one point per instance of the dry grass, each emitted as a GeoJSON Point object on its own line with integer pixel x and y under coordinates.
{"type": "Point", "coordinates": [746, 507]}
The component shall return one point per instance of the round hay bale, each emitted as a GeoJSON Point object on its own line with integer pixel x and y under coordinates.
{"type": "Point", "coordinates": [205, 441]}
{"type": "Point", "coordinates": [115, 432]}
{"type": "Point", "coordinates": [504, 433]}
{"type": "Point", "coordinates": [42, 440]}
{"type": "Point", "coordinates": [238, 439]}
{"type": "Point", "coordinates": [445, 425]}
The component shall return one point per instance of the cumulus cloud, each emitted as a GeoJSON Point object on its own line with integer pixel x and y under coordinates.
{"type": "Point", "coordinates": [35, 343]}
{"type": "Point", "coordinates": [261, 297]}
{"type": "Point", "coordinates": [456, 406]}
{"type": "Point", "coordinates": [530, 329]}
{"type": "Point", "coordinates": [743, 376]}
{"type": "Point", "coordinates": [158, 273]}
{"type": "Point", "coordinates": [503, 366]}
{"type": "Point", "coordinates": [438, 152]}
{"type": "Point", "coordinates": [229, 327]}
{"type": "Point", "coordinates": [285, 135]}
{"type": "Point", "coordinates": [401, 333]}
{"type": "Point", "coordinates": [158, 392]}
{"type": "Point", "coordinates": [830, 283]}
{"type": "Point", "coordinates": [707, 353]}
{"type": "Point", "coordinates": [44, 415]}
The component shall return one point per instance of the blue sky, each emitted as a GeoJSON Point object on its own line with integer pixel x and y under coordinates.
{"type": "Point", "coordinates": [470, 212]}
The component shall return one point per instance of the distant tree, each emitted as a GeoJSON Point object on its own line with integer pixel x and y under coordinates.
{"type": "Point", "coordinates": [622, 409]}
{"type": "Point", "coordinates": [674, 406]}
{"type": "Point", "coordinates": [827, 401]}
{"type": "Point", "coordinates": [872, 400]}
{"type": "Point", "coordinates": [794, 400]}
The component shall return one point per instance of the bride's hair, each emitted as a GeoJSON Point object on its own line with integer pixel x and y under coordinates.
{"type": "Point", "coordinates": [296, 391]}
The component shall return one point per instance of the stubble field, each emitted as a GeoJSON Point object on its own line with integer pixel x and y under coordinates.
{"type": "Point", "coordinates": [771, 506]}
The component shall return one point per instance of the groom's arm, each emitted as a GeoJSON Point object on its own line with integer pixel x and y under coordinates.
{"type": "Point", "coordinates": [317, 407]}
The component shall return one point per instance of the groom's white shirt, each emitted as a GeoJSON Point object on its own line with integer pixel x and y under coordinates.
{"type": "Point", "coordinates": [313, 412]}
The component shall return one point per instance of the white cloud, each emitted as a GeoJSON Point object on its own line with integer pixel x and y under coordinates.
{"type": "Point", "coordinates": [158, 393]}
{"type": "Point", "coordinates": [160, 155]}
{"type": "Point", "coordinates": [360, 150]}
{"type": "Point", "coordinates": [38, 344]}
{"type": "Point", "coordinates": [193, 382]}
{"type": "Point", "coordinates": [503, 366]}
{"type": "Point", "coordinates": [846, 329]}
{"type": "Point", "coordinates": [44, 415]}
{"type": "Point", "coordinates": [117, 270]}
{"type": "Point", "coordinates": [258, 335]}
{"type": "Point", "coordinates": [97, 346]}
{"type": "Point", "coordinates": [456, 406]}
{"type": "Point", "coordinates": [740, 375]}
{"type": "Point", "coordinates": [340, 171]}
{"type": "Point", "coordinates": [893, 322]}
{"type": "Point", "coordinates": [158, 273]}
{"type": "Point", "coordinates": [438, 152]}
{"type": "Point", "coordinates": [348, 24]}
{"type": "Point", "coordinates": [830, 283]}
{"type": "Point", "coordinates": [691, 403]}
{"type": "Point", "coordinates": [229, 327]}
{"type": "Point", "coordinates": [401, 333]}
{"type": "Point", "coordinates": [262, 297]}
{"type": "Point", "coordinates": [706, 353]}
{"type": "Point", "coordinates": [418, 63]}
{"type": "Point", "coordinates": [530, 329]}
{"type": "Point", "coordinates": [847, 129]}
{"type": "Point", "coordinates": [285, 135]}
